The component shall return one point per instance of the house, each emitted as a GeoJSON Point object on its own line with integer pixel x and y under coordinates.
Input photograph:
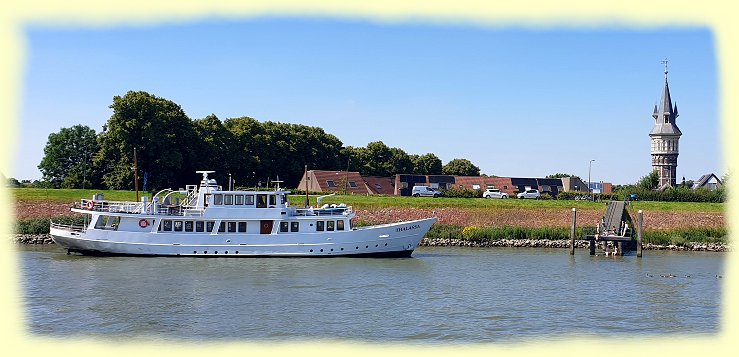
{"type": "Point", "coordinates": [709, 181]}
{"type": "Point", "coordinates": [572, 184]}
{"type": "Point", "coordinates": [504, 184]}
{"type": "Point", "coordinates": [333, 181]}
{"type": "Point", "coordinates": [514, 185]}
{"type": "Point", "coordinates": [404, 182]}
{"type": "Point", "coordinates": [380, 185]}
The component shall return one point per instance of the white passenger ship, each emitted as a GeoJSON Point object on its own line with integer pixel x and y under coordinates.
{"type": "Point", "coordinates": [211, 222]}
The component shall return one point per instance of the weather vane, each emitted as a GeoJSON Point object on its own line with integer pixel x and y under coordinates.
{"type": "Point", "coordinates": [664, 62]}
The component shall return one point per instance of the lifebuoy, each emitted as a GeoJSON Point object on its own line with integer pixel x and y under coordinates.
{"type": "Point", "coordinates": [90, 205]}
{"type": "Point", "coordinates": [143, 223]}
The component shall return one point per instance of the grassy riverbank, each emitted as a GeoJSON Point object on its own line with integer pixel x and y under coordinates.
{"type": "Point", "coordinates": [464, 218]}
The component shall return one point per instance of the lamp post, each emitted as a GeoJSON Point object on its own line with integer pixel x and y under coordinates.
{"type": "Point", "coordinates": [590, 166]}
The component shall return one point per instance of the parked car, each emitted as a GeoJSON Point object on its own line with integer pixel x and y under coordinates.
{"type": "Point", "coordinates": [533, 193]}
{"type": "Point", "coordinates": [425, 191]}
{"type": "Point", "coordinates": [494, 193]}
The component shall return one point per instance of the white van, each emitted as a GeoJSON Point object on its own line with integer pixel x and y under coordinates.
{"type": "Point", "coordinates": [425, 191]}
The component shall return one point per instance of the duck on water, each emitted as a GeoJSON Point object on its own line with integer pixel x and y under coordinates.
{"type": "Point", "coordinates": [211, 222]}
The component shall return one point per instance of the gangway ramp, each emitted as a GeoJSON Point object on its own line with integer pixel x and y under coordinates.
{"type": "Point", "coordinates": [614, 216]}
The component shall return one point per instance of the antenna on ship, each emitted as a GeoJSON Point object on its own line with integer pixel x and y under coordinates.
{"type": "Point", "coordinates": [307, 201]}
{"type": "Point", "coordinates": [277, 182]}
{"type": "Point", "coordinates": [135, 174]}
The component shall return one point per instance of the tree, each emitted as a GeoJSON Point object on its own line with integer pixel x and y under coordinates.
{"type": "Point", "coordinates": [427, 164]}
{"type": "Point", "coordinates": [215, 147]}
{"type": "Point", "coordinates": [400, 162]}
{"type": "Point", "coordinates": [266, 150]}
{"type": "Point", "coordinates": [377, 160]}
{"type": "Point", "coordinates": [650, 181]}
{"type": "Point", "coordinates": [12, 182]}
{"type": "Point", "coordinates": [164, 139]}
{"type": "Point", "coordinates": [460, 167]}
{"type": "Point", "coordinates": [561, 175]}
{"type": "Point", "coordinates": [67, 158]}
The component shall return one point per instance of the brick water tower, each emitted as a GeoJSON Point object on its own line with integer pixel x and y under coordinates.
{"type": "Point", "coordinates": [665, 137]}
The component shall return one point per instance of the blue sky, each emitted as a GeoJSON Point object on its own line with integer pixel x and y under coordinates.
{"type": "Point", "coordinates": [515, 101]}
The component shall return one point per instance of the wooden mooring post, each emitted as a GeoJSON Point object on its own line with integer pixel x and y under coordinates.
{"type": "Point", "coordinates": [572, 231]}
{"type": "Point", "coordinates": [639, 225]}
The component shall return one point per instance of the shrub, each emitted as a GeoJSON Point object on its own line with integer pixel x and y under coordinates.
{"type": "Point", "coordinates": [462, 193]}
{"type": "Point", "coordinates": [41, 225]}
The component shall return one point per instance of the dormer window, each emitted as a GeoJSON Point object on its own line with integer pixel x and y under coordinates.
{"type": "Point", "coordinates": [330, 183]}
{"type": "Point", "coordinates": [667, 119]}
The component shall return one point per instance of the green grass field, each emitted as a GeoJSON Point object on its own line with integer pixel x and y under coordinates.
{"type": "Point", "coordinates": [370, 202]}
{"type": "Point", "coordinates": [672, 236]}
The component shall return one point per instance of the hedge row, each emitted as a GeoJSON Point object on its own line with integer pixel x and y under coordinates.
{"type": "Point", "coordinates": [478, 234]}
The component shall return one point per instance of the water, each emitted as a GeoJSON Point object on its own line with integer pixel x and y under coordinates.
{"type": "Point", "coordinates": [441, 295]}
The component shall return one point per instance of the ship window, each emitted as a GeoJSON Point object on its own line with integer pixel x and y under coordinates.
{"type": "Point", "coordinates": [339, 225]}
{"type": "Point", "coordinates": [250, 199]}
{"type": "Point", "coordinates": [261, 201]}
{"type": "Point", "coordinates": [319, 226]}
{"type": "Point", "coordinates": [209, 226]}
{"type": "Point", "coordinates": [330, 225]}
{"type": "Point", "coordinates": [294, 226]}
{"type": "Point", "coordinates": [228, 199]}
{"type": "Point", "coordinates": [283, 199]}
{"type": "Point", "coordinates": [102, 220]}
{"type": "Point", "coordinates": [222, 227]}
{"type": "Point", "coordinates": [272, 200]}
{"type": "Point", "coordinates": [232, 227]}
{"type": "Point", "coordinates": [199, 226]}
{"type": "Point", "coordinates": [352, 184]}
{"type": "Point", "coordinates": [218, 199]}
{"type": "Point", "coordinates": [167, 225]}
{"type": "Point", "coordinates": [242, 227]}
{"type": "Point", "coordinates": [238, 200]}
{"type": "Point", "coordinates": [188, 226]}
{"type": "Point", "coordinates": [283, 226]}
{"type": "Point", "coordinates": [178, 226]}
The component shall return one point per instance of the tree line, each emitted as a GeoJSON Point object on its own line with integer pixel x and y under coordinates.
{"type": "Point", "coordinates": [170, 147]}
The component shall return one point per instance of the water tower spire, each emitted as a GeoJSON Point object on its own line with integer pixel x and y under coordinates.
{"type": "Point", "coordinates": [665, 137]}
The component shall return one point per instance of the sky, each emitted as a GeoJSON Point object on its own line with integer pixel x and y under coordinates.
{"type": "Point", "coordinates": [516, 101]}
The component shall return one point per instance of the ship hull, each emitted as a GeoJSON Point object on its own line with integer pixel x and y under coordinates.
{"type": "Point", "coordinates": [388, 240]}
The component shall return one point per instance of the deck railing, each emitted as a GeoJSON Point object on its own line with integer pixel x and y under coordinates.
{"type": "Point", "coordinates": [69, 227]}
{"type": "Point", "coordinates": [336, 211]}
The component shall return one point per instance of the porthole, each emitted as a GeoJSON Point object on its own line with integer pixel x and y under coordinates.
{"type": "Point", "coordinates": [332, 249]}
{"type": "Point", "coordinates": [216, 252]}
{"type": "Point", "coordinates": [386, 244]}
{"type": "Point", "coordinates": [205, 252]}
{"type": "Point", "coordinates": [342, 248]}
{"type": "Point", "coordinates": [356, 248]}
{"type": "Point", "coordinates": [226, 252]}
{"type": "Point", "coordinates": [366, 246]}
{"type": "Point", "coordinates": [321, 250]}
{"type": "Point", "coordinates": [375, 246]}
{"type": "Point", "coordinates": [311, 250]}
{"type": "Point", "coordinates": [237, 252]}
{"type": "Point", "coordinates": [194, 252]}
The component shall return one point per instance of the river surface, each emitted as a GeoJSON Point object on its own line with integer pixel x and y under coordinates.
{"type": "Point", "coordinates": [440, 295]}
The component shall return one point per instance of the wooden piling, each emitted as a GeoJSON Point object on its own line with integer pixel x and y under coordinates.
{"type": "Point", "coordinates": [640, 226]}
{"type": "Point", "coordinates": [592, 247]}
{"type": "Point", "coordinates": [572, 231]}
